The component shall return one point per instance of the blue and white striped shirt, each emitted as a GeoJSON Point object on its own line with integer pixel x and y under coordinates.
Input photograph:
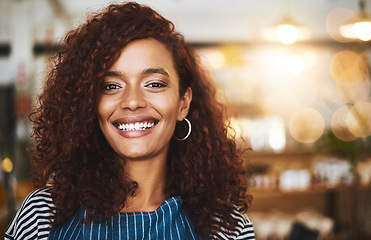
{"type": "Point", "coordinates": [169, 221]}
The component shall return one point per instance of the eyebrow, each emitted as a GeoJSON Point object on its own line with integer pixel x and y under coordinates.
{"type": "Point", "coordinates": [144, 72]}
{"type": "Point", "coordinates": [156, 70]}
{"type": "Point", "coordinates": [113, 74]}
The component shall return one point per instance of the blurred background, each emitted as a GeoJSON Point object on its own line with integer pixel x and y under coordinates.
{"type": "Point", "coordinates": [295, 72]}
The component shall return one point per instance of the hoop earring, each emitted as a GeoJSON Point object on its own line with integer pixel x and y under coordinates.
{"type": "Point", "coordinates": [189, 131]}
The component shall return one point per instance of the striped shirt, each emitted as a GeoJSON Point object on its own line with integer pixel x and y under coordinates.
{"type": "Point", "coordinates": [169, 221]}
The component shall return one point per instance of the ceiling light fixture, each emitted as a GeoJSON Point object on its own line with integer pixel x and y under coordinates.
{"type": "Point", "coordinates": [361, 28]}
{"type": "Point", "coordinates": [286, 31]}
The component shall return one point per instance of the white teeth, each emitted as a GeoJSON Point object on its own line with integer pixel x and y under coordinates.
{"type": "Point", "coordinates": [138, 126]}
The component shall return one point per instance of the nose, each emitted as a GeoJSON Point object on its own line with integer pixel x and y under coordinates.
{"type": "Point", "coordinates": [133, 98]}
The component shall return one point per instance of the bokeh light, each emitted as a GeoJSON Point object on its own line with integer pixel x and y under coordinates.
{"type": "Point", "coordinates": [233, 55]}
{"type": "Point", "coordinates": [339, 124]}
{"type": "Point", "coordinates": [7, 165]}
{"type": "Point", "coordinates": [335, 19]}
{"type": "Point", "coordinates": [348, 67]}
{"type": "Point", "coordinates": [353, 92]}
{"type": "Point", "coordinates": [237, 129]}
{"type": "Point", "coordinates": [350, 73]}
{"type": "Point", "coordinates": [287, 33]}
{"type": "Point", "coordinates": [359, 29]}
{"type": "Point", "coordinates": [277, 134]}
{"type": "Point", "coordinates": [306, 125]}
{"type": "Point", "coordinates": [359, 119]}
{"type": "Point", "coordinates": [310, 59]}
{"type": "Point", "coordinates": [363, 30]}
{"type": "Point", "coordinates": [258, 136]}
{"type": "Point", "coordinates": [214, 58]}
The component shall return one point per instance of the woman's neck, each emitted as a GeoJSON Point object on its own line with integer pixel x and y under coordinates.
{"type": "Point", "coordinates": [151, 178]}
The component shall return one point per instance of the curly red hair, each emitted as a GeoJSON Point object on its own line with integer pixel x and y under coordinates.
{"type": "Point", "coordinates": [71, 153]}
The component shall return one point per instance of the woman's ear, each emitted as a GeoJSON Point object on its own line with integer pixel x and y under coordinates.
{"type": "Point", "coordinates": [185, 102]}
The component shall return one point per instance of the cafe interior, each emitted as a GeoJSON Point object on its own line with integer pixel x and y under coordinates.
{"type": "Point", "coordinates": [295, 75]}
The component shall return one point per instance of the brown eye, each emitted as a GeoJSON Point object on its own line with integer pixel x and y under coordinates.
{"type": "Point", "coordinates": [111, 87]}
{"type": "Point", "coordinates": [156, 85]}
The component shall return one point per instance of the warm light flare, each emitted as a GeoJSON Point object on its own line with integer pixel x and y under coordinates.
{"type": "Point", "coordinates": [363, 30]}
{"type": "Point", "coordinates": [335, 21]}
{"type": "Point", "coordinates": [348, 66]}
{"type": "Point", "coordinates": [339, 124]}
{"type": "Point", "coordinates": [277, 134]}
{"type": "Point", "coordinates": [213, 58]}
{"type": "Point", "coordinates": [310, 59]}
{"type": "Point", "coordinates": [306, 125]}
{"type": "Point", "coordinates": [287, 33]}
{"type": "Point", "coordinates": [7, 165]}
{"type": "Point", "coordinates": [359, 119]}
{"type": "Point", "coordinates": [216, 59]}
{"type": "Point", "coordinates": [360, 30]}
{"type": "Point", "coordinates": [353, 92]}
{"type": "Point", "coordinates": [350, 72]}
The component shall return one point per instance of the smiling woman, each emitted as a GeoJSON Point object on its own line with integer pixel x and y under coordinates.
{"type": "Point", "coordinates": [111, 160]}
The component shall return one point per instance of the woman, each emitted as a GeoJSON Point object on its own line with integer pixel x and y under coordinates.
{"type": "Point", "coordinates": [130, 140]}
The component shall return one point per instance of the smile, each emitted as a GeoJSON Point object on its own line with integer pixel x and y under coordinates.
{"type": "Point", "coordinates": [136, 126]}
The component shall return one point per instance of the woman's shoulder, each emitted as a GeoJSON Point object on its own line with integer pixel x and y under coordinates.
{"type": "Point", "coordinates": [38, 200]}
{"type": "Point", "coordinates": [33, 216]}
{"type": "Point", "coordinates": [41, 194]}
{"type": "Point", "coordinates": [243, 230]}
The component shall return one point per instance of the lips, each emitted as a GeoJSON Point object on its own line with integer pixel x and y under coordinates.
{"type": "Point", "coordinates": [135, 123]}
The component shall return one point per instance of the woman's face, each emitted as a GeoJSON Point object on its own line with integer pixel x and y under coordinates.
{"type": "Point", "coordinates": [140, 103]}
